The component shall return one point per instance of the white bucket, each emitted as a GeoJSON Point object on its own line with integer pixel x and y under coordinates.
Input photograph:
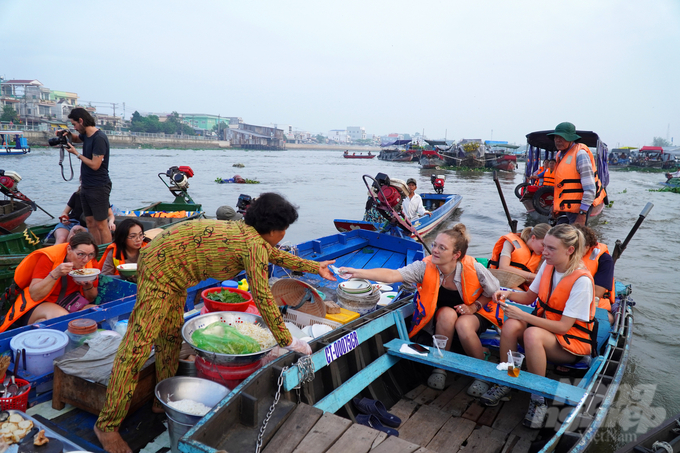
{"type": "Point", "coordinates": [42, 347]}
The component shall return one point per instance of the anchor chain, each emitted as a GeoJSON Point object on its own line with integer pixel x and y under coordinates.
{"type": "Point", "coordinates": [305, 367]}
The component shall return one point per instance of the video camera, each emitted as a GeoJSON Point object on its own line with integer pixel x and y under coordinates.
{"type": "Point", "coordinates": [61, 139]}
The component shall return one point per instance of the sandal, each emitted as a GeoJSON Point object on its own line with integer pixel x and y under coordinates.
{"type": "Point", "coordinates": [437, 379]}
{"type": "Point", "coordinates": [478, 388]}
{"type": "Point", "coordinates": [372, 422]}
{"type": "Point", "coordinates": [375, 407]}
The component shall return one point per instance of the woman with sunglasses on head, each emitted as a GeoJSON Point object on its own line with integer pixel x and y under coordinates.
{"type": "Point", "coordinates": [127, 242]}
{"type": "Point", "coordinates": [450, 285]}
{"type": "Point", "coordinates": [47, 290]}
{"type": "Point", "coordinates": [561, 330]}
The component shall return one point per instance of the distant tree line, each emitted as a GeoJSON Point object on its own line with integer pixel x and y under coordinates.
{"type": "Point", "coordinates": [152, 125]}
{"type": "Point", "coordinates": [659, 141]}
{"type": "Point", "coordinates": [9, 114]}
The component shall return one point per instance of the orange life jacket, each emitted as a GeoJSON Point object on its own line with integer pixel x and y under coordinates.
{"type": "Point", "coordinates": [568, 190]}
{"type": "Point", "coordinates": [522, 257]}
{"type": "Point", "coordinates": [581, 338]}
{"type": "Point", "coordinates": [591, 260]}
{"type": "Point", "coordinates": [425, 300]}
{"type": "Point", "coordinates": [23, 275]}
{"type": "Point", "coordinates": [549, 177]}
{"type": "Point", "coordinates": [112, 248]}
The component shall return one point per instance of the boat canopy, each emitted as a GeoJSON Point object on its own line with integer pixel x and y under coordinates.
{"type": "Point", "coordinates": [396, 143]}
{"type": "Point", "coordinates": [436, 142]}
{"type": "Point", "coordinates": [656, 149]}
{"type": "Point", "coordinates": [542, 140]}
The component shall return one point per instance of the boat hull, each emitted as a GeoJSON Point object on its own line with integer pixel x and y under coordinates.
{"type": "Point", "coordinates": [15, 212]}
{"type": "Point", "coordinates": [358, 157]}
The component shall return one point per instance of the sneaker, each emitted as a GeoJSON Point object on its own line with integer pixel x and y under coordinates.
{"type": "Point", "coordinates": [495, 395]}
{"type": "Point", "coordinates": [535, 416]}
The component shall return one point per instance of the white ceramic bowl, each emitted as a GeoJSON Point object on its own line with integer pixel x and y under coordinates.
{"type": "Point", "coordinates": [84, 275]}
{"type": "Point", "coordinates": [387, 298]}
{"type": "Point", "coordinates": [127, 270]}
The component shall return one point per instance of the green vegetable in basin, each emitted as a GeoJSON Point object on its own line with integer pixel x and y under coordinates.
{"type": "Point", "coordinates": [226, 297]}
{"type": "Point", "coordinates": [224, 339]}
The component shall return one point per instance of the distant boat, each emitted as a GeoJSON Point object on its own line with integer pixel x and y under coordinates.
{"type": "Point", "coordinates": [13, 143]}
{"type": "Point", "coordinates": [399, 151]}
{"type": "Point", "coordinates": [347, 155]}
{"type": "Point", "coordinates": [431, 159]}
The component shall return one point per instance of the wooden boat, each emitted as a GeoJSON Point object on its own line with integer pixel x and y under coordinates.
{"type": "Point", "coordinates": [440, 205]}
{"type": "Point", "coordinates": [539, 199]}
{"type": "Point", "coordinates": [654, 157]}
{"type": "Point", "coordinates": [621, 157]}
{"type": "Point", "coordinates": [500, 156]}
{"type": "Point", "coordinates": [13, 213]}
{"type": "Point", "coordinates": [430, 159]}
{"type": "Point", "coordinates": [662, 439]}
{"type": "Point", "coordinates": [347, 155]}
{"type": "Point", "coordinates": [287, 408]}
{"type": "Point", "coordinates": [399, 151]}
{"type": "Point", "coordinates": [13, 143]}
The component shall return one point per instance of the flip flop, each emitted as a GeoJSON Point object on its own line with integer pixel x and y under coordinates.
{"type": "Point", "coordinates": [373, 407]}
{"type": "Point", "coordinates": [372, 422]}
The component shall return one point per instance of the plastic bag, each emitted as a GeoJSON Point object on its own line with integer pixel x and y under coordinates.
{"type": "Point", "coordinates": [224, 339]}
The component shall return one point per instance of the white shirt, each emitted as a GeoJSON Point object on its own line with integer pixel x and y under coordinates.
{"type": "Point", "coordinates": [413, 207]}
{"type": "Point", "coordinates": [580, 296]}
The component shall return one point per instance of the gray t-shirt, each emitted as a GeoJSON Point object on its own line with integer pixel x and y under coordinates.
{"type": "Point", "coordinates": [414, 273]}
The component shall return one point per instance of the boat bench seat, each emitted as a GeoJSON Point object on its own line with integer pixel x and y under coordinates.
{"type": "Point", "coordinates": [487, 371]}
{"type": "Point", "coordinates": [603, 331]}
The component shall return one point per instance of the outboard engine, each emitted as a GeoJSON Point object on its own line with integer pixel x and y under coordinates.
{"type": "Point", "coordinates": [179, 176]}
{"type": "Point", "coordinates": [438, 183]}
{"type": "Point", "coordinates": [242, 203]}
{"type": "Point", "coordinates": [9, 179]}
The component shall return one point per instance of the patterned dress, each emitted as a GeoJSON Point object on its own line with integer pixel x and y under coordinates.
{"type": "Point", "coordinates": [177, 259]}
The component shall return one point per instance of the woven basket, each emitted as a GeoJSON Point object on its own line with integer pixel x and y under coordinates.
{"type": "Point", "coordinates": [290, 291]}
{"type": "Point", "coordinates": [507, 279]}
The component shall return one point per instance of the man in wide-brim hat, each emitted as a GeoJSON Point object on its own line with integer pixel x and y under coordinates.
{"type": "Point", "coordinates": [578, 189]}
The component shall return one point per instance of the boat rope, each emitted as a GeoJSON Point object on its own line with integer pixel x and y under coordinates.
{"type": "Point", "coordinates": [305, 367]}
{"type": "Point", "coordinates": [660, 444]}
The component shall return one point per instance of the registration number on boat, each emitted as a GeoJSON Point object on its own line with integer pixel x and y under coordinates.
{"type": "Point", "coordinates": [341, 347]}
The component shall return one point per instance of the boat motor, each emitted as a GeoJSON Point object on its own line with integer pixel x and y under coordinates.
{"type": "Point", "coordinates": [438, 183]}
{"type": "Point", "coordinates": [179, 182]}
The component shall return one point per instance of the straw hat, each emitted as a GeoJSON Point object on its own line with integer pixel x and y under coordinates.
{"type": "Point", "coordinates": [293, 292]}
{"type": "Point", "coordinates": [507, 279]}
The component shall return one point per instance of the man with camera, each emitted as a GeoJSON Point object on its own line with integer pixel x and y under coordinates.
{"type": "Point", "coordinates": [94, 172]}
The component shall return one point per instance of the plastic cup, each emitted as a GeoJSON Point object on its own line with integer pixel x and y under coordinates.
{"type": "Point", "coordinates": [517, 359]}
{"type": "Point", "coordinates": [440, 343]}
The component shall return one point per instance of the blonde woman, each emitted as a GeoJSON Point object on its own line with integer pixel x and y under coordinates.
{"type": "Point", "coordinates": [562, 328]}
{"type": "Point", "coordinates": [450, 284]}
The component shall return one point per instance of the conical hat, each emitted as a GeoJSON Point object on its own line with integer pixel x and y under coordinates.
{"type": "Point", "coordinates": [507, 279]}
{"type": "Point", "coordinates": [292, 292]}
{"type": "Point", "coordinates": [153, 232]}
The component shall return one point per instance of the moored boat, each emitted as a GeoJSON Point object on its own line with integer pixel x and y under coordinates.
{"type": "Point", "coordinates": [13, 143]}
{"type": "Point", "coordinates": [654, 157]}
{"type": "Point", "coordinates": [539, 199]}
{"type": "Point", "coordinates": [662, 439]}
{"type": "Point", "coordinates": [399, 151]}
{"type": "Point", "coordinates": [431, 159]}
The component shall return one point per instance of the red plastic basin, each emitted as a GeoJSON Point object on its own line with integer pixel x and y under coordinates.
{"type": "Point", "coordinates": [214, 305]}
{"type": "Point", "coordinates": [231, 376]}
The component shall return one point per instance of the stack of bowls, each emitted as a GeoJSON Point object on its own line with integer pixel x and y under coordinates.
{"type": "Point", "coordinates": [358, 295]}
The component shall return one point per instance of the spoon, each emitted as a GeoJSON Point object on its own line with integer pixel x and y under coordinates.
{"type": "Point", "coordinates": [13, 387]}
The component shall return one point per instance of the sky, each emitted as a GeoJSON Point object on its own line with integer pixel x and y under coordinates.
{"type": "Point", "coordinates": [488, 69]}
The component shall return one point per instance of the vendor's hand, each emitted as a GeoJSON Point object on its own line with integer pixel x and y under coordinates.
{"type": "Point", "coordinates": [464, 309]}
{"type": "Point", "coordinates": [62, 269]}
{"type": "Point", "coordinates": [300, 346]}
{"type": "Point", "coordinates": [325, 272]}
{"type": "Point", "coordinates": [513, 312]}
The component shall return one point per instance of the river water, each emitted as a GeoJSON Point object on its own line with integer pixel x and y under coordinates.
{"type": "Point", "coordinates": [326, 186]}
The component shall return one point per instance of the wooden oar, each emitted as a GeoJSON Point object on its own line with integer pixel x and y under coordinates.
{"type": "Point", "coordinates": [511, 222]}
{"type": "Point", "coordinates": [620, 247]}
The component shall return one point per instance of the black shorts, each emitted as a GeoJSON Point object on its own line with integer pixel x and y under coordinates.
{"type": "Point", "coordinates": [484, 324]}
{"type": "Point", "coordinates": [95, 201]}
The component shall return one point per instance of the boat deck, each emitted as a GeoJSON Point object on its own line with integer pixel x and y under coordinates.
{"type": "Point", "coordinates": [432, 421]}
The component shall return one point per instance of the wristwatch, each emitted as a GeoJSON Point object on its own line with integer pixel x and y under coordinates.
{"type": "Point", "coordinates": [582, 212]}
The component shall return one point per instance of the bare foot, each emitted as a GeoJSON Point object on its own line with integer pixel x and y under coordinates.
{"type": "Point", "coordinates": [112, 441]}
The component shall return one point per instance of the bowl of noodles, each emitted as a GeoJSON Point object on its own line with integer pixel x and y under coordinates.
{"type": "Point", "coordinates": [246, 324]}
{"type": "Point", "coordinates": [85, 274]}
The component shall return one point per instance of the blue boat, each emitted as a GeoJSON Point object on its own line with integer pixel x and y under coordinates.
{"type": "Point", "coordinates": [439, 204]}
{"type": "Point", "coordinates": [300, 403]}
{"type": "Point", "coordinates": [13, 143]}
